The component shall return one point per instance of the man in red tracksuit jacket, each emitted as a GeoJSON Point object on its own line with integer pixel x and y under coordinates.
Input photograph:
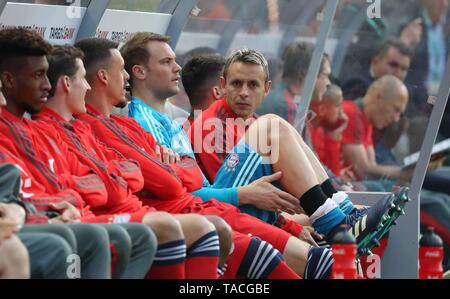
{"type": "Point", "coordinates": [106, 74]}
{"type": "Point", "coordinates": [327, 127]}
{"type": "Point", "coordinates": [43, 208]}
{"type": "Point", "coordinates": [33, 194]}
{"type": "Point", "coordinates": [52, 163]}
{"type": "Point", "coordinates": [122, 177]}
{"type": "Point", "coordinates": [94, 244]}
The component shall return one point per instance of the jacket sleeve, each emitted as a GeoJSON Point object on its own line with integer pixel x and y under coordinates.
{"type": "Point", "coordinates": [131, 171]}
{"type": "Point", "coordinates": [9, 191]}
{"type": "Point", "coordinates": [117, 165]}
{"type": "Point", "coordinates": [18, 187]}
{"type": "Point", "coordinates": [227, 195]}
{"type": "Point", "coordinates": [10, 182]}
{"type": "Point", "coordinates": [159, 179]}
{"type": "Point", "coordinates": [81, 178]}
{"type": "Point", "coordinates": [90, 187]}
{"type": "Point", "coordinates": [189, 172]}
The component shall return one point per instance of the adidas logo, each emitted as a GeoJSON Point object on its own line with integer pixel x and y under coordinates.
{"type": "Point", "coordinates": [360, 226]}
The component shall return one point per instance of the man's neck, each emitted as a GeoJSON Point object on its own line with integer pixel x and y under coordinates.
{"type": "Point", "coordinates": [203, 104]}
{"type": "Point", "coordinates": [432, 19]}
{"type": "Point", "coordinates": [58, 105]}
{"type": "Point", "coordinates": [294, 88]}
{"type": "Point", "coordinates": [100, 102]}
{"type": "Point", "coordinates": [150, 99]}
{"type": "Point", "coordinates": [14, 110]}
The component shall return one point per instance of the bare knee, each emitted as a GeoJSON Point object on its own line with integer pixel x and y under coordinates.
{"type": "Point", "coordinates": [14, 261]}
{"type": "Point", "coordinates": [269, 116]}
{"type": "Point", "coordinates": [194, 227]}
{"type": "Point", "coordinates": [276, 127]}
{"type": "Point", "coordinates": [222, 227]}
{"type": "Point", "coordinates": [165, 226]}
{"type": "Point", "coordinates": [275, 120]}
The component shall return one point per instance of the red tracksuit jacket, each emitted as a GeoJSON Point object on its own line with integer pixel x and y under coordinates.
{"type": "Point", "coordinates": [50, 162]}
{"type": "Point", "coordinates": [167, 186]}
{"type": "Point", "coordinates": [122, 177]}
{"type": "Point", "coordinates": [214, 133]}
{"type": "Point", "coordinates": [327, 148]}
{"type": "Point", "coordinates": [33, 193]}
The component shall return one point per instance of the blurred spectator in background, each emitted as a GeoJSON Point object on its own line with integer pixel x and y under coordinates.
{"type": "Point", "coordinates": [392, 58]}
{"type": "Point", "coordinates": [327, 127]}
{"type": "Point", "coordinates": [430, 56]}
{"type": "Point", "coordinates": [284, 98]}
{"type": "Point", "coordinates": [369, 35]}
{"type": "Point", "coordinates": [281, 99]}
{"type": "Point", "coordinates": [214, 9]}
{"type": "Point", "coordinates": [384, 102]}
{"type": "Point", "coordinates": [430, 51]}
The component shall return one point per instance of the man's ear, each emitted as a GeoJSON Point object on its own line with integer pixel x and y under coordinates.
{"type": "Point", "coordinates": [139, 72]}
{"type": "Point", "coordinates": [65, 83]}
{"type": "Point", "coordinates": [217, 92]}
{"type": "Point", "coordinates": [8, 79]}
{"type": "Point", "coordinates": [102, 76]}
{"type": "Point", "coordinates": [267, 87]}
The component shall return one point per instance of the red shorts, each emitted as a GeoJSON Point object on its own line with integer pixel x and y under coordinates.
{"type": "Point", "coordinates": [240, 222]}
{"type": "Point", "coordinates": [135, 217]}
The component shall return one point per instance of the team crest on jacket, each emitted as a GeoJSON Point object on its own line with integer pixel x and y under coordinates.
{"type": "Point", "coordinates": [232, 161]}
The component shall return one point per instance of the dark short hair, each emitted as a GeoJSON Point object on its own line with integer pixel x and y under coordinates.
{"type": "Point", "coordinates": [17, 43]}
{"type": "Point", "coordinates": [135, 50]}
{"type": "Point", "coordinates": [393, 43]}
{"type": "Point", "coordinates": [199, 51]}
{"type": "Point", "coordinates": [296, 59]}
{"type": "Point", "coordinates": [62, 62]}
{"type": "Point", "coordinates": [97, 54]}
{"type": "Point", "coordinates": [198, 71]}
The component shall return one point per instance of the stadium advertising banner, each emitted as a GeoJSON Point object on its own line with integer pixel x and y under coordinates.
{"type": "Point", "coordinates": [57, 24]}
{"type": "Point", "coordinates": [119, 25]}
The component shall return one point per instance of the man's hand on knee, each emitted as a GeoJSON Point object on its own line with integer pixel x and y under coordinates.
{"type": "Point", "coordinates": [309, 235]}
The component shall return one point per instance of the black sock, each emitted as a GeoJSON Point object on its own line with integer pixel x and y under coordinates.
{"type": "Point", "coordinates": [328, 188]}
{"type": "Point", "coordinates": [313, 199]}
